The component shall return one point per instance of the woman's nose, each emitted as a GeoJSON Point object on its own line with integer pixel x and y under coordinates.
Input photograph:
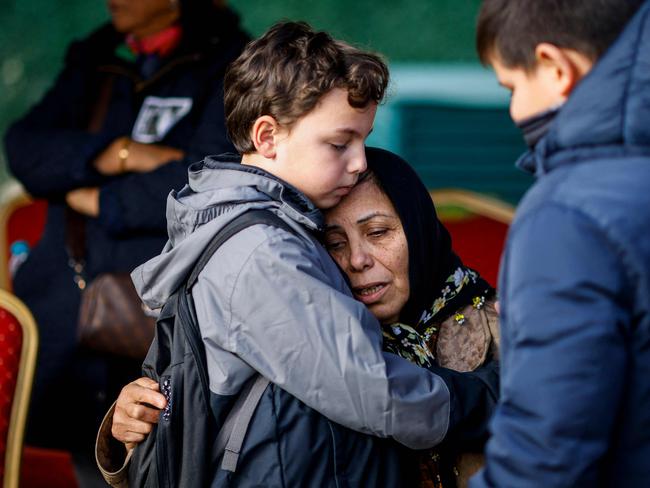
{"type": "Point", "coordinates": [360, 258]}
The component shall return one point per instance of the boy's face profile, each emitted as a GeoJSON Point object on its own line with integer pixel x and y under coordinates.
{"type": "Point", "coordinates": [530, 92]}
{"type": "Point", "coordinates": [323, 152]}
{"type": "Point", "coordinates": [548, 84]}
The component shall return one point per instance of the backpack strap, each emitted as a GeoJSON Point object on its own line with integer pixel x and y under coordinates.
{"type": "Point", "coordinates": [247, 219]}
{"type": "Point", "coordinates": [233, 431]}
{"type": "Point", "coordinates": [231, 436]}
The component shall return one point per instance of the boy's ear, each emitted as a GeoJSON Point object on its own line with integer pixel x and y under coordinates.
{"type": "Point", "coordinates": [561, 68]}
{"type": "Point", "coordinates": [264, 136]}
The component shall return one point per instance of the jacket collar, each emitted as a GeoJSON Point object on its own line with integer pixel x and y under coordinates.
{"type": "Point", "coordinates": [219, 36]}
{"type": "Point", "coordinates": [232, 173]}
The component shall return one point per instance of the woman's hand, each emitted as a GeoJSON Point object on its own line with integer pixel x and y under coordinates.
{"type": "Point", "coordinates": [136, 411]}
{"type": "Point", "coordinates": [126, 156]}
{"type": "Point", "coordinates": [84, 200]}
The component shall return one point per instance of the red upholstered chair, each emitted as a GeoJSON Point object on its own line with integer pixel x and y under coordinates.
{"type": "Point", "coordinates": [29, 466]}
{"type": "Point", "coordinates": [21, 218]}
{"type": "Point", "coordinates": [478, 225]}
{"type": "Point", "coordinates": [18, 344]}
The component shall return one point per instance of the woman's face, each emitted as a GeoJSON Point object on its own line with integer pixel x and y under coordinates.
{"type": "Point", "coordinates": [365, 237]}
{"type": "Point", "coordinates": [143, 17]}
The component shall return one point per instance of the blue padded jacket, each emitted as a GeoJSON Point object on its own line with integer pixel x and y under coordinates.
{"type": "Point", "coordinates": [575, 290]}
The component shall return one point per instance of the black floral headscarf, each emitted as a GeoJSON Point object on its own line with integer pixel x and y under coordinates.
{"type": "Point", "coordinates": [432, 261]}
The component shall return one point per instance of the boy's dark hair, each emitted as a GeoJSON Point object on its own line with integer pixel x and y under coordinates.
{"type": "Point", "coordinates": [287, 71]}
{"type": "Point", "coordinates": [510, 30]}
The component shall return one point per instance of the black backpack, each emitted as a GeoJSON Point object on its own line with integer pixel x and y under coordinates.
{"type": "Point", "coordinates": [191, 436]}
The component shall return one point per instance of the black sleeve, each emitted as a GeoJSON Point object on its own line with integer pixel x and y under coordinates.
{"type": "Point", "coordinates": [137, 201]}
{"type": "Point", "coordinates": [49, 150]}
{"type": "Point", "coordinates": [473, 397]}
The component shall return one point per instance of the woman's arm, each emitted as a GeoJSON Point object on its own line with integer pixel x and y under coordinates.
{"type": "Point", "coordinates": [129, 421]}
{"type": "Point", "coordinates": [139, 158]}
{"type": "Point", "coordinates": [49, 150]}
{"type": "Point", "coordinates": [137, 200]}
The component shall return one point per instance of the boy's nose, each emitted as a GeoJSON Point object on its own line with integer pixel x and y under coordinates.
{"type": "Point", "coordinates": [358, 163]}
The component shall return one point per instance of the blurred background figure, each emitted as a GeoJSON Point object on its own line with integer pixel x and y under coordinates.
{"type": "Point", "coordinates": [446, 114]}
{"type": "Point", "coordinates": [137, 101]}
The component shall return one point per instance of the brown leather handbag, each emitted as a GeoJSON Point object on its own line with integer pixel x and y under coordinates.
{"type": "Point", "coordinates": [113, 319]}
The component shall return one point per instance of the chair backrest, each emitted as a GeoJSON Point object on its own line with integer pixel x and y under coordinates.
{"type": "Point", "coordinates": [21, 219]}
{"type": "Point", "coordinates": [478, 225]}
{"type": "Point", "coordinates": [18, 345]}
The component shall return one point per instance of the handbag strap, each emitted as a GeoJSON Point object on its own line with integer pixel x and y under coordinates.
{"type": "Point", "coordinates": [75, 223]}
{"type": "Point", "coordinates": [75, 245]}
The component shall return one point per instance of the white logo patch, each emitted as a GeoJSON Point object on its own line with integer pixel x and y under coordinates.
{"type": "Point", "coordinates": [157, 116]}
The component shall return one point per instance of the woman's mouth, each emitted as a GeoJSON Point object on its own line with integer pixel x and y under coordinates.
{"type": "Point", "coordinates": [370, 293]}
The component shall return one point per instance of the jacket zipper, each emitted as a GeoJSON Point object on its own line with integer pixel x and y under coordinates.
{"type": "Point", "coordinates": [162, 454]}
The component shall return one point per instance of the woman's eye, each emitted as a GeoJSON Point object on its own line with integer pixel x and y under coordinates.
{"type": "Point", "coordinates": [334, 245]}
{"type": "Point", "coordinates": [377, 232]}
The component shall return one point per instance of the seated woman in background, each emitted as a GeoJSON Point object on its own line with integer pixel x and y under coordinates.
{"type": "Point", "coordinates": [386, 237]}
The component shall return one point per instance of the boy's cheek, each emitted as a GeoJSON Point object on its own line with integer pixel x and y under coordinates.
{"type": "Point", "coordinates": [325, 202]}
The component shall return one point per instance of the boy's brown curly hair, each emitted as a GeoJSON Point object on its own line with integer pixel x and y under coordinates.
{"type": "Point", "coordinates": [287, 71]}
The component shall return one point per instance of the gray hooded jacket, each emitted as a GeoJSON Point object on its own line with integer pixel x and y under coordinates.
{"type": "Point", "coordinates": [274, 302]}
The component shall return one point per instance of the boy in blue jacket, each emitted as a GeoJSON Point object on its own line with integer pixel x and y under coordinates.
{"type": "Point", "coordinates": [575, 278]}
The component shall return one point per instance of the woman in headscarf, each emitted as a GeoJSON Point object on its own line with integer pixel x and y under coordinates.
{"type": "Point", "coordinates": [386, 237]}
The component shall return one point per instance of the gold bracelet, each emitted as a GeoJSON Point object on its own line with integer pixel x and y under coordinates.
{"type": "Point", "coordinates": [123, 154]}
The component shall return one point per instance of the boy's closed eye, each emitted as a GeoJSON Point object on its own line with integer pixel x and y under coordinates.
{"type": "Point", "coordinates": [506, 86]}
{"type": "Point", "coordinates": [339, 147]}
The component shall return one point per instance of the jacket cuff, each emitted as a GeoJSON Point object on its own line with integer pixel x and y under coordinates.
{"type": "Point", "coordinates": [79, 162]}
{"type": "Point", "coordinates": [111, 456]}
{"type": "Point", "coordinates": [89, 148]}
{"type": "Point", "coordinates": [111, 213]}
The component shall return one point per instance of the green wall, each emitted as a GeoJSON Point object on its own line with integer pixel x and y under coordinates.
{"type": "Point", "coordinates": [34, 34]}
{"type": "Point", "coordinates": [411, 30]}
{"type": "Point", "coordinates": [33, 38]}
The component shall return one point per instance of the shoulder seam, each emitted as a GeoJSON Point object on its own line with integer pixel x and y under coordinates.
{"type": "Point", "coordinates": [266, 240]}
{"type": "Point", "coordinates": [608, 236]}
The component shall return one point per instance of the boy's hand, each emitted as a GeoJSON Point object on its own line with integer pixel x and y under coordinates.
{"type": "Point", "coordinates": [136, 411]}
